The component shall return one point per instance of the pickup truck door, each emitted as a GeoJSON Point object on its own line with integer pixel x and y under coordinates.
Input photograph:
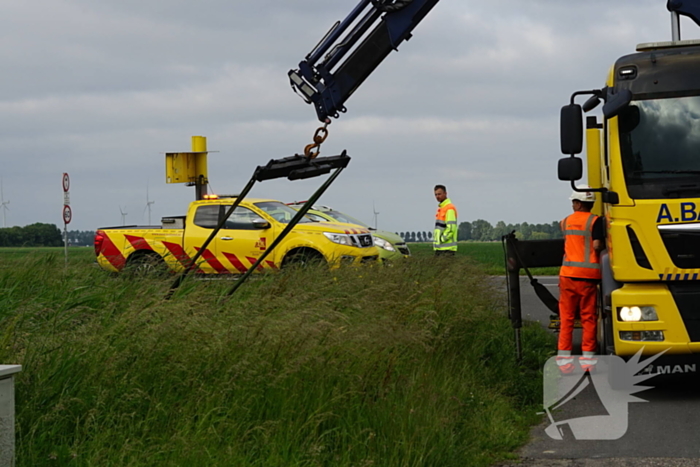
{"type": "Point", "coordinates": [206, 218]}
{"type": "Point", "coordinates": [243, 238]}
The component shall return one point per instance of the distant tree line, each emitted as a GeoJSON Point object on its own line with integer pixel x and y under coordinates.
{"type": "Point", "coordinates": [31, 235]}
{"type": "Point", "coordinates": [81, 237]}
{"type": "Point", "coordinates": [416, 236]}
{"type": "Point", "coordinates": [482, 231]}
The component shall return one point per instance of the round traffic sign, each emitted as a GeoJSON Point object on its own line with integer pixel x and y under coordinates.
{"type": "Point", "coordinates": [67, 214]}
{"type": "Point", "coordinates": [66, 182]}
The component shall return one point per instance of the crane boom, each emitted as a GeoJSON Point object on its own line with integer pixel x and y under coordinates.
{"type": "Point", "coordinates": [328, 76]}
{"type": "Point", "coordinates": [691, 9]}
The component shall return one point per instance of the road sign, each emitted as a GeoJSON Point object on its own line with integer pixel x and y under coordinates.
{"type": "Point", "coordinates": [66, 182]}
{"type": "Point", "coordinates": [66, 198]}
{"type": "Point", "coordinates": [67, 214]}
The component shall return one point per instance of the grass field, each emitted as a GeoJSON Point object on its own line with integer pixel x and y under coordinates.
{"type": "Point", "coordinates": [409, 365]}
{"type": "Point", "coordinates": [488, 255]}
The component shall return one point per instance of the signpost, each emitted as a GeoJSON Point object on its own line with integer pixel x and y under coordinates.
{"type": "Point", "coordinates": [67, 213]}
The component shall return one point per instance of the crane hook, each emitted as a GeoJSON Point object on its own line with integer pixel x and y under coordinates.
{"type": "Point", "coordinates": [319, 137]}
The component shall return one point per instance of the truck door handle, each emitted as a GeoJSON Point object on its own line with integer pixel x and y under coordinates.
{"type": "Point", "coordinates": [225, 238]}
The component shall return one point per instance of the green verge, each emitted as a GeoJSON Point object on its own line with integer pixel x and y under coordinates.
{"type": "Point", "coordinates": [408, 365]}
{"type": "Point", "coordinates": [488, 255]}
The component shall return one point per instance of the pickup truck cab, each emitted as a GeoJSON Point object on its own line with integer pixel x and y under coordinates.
{"type": "Point", "coordinates": [247, 233]}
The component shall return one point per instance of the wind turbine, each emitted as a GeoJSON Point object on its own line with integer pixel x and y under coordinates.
{"type": "Point", "coordinates": [376, 214]}
{"type": "Point", "coordinates": [4, 204]}
{"type": "Point", "coordinates": [148, 206]}
{"type": "Point", "coordinates": [123, 214]}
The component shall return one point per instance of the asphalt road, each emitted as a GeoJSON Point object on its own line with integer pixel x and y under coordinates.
{"type": "Point", "coordinates": [664, 431]}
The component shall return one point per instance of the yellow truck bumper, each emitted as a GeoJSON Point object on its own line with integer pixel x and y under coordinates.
{"type": "Point", "coordinates": [630, 337]}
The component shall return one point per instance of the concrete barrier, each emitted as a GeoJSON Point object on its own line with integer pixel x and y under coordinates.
{"type": "Point", "coordinates": [7, 414]}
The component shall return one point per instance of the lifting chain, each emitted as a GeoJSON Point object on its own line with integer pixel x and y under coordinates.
{"type": "Point", "coordinates": [319, 137]}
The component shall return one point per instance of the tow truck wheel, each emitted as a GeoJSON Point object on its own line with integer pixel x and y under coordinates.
{"type": "Point", "coordinates": [618, 379]}
{"type": "Point", "coordinates": [303, 257]}
{"type": "Point", "coordinates": [146, 264]}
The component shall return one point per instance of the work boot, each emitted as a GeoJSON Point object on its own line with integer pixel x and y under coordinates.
{"type": "Point", "coordinates": [565, 363]}
{"type": "Point", "coordinates": [588, 362]}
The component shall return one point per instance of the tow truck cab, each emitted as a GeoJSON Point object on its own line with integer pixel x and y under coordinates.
{"type": "Point", "coordinates": [643, 158]}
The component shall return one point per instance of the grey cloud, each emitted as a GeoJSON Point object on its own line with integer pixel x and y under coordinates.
{"type": "Point", "coordinates": [102, 89]}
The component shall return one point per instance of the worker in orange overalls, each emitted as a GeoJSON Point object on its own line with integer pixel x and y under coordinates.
{"type": "Point", "coordinates": [584, 238]}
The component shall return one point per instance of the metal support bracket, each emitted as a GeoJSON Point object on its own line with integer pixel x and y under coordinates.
{"type": "Point", "coordinates": [293, 168]}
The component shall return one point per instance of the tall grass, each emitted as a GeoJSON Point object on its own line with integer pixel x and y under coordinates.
{"type": "Point", "coordinates": [409, 365]}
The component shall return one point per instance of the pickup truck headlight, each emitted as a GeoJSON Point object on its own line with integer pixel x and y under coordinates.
{"type": "Point", "coordinates": [341, 239]}
{"type": "Point", "coordinates": [637, 313]}
{"type": "Point", "coordinates": [381, 243]}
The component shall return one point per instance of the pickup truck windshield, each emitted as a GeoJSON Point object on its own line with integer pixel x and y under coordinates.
{"type": "Point", "coordinates": [660, 147]}
{"type": "Point", "coordinates": [340, 217]}
{"type": "Point", "coordinates": [280, 212]}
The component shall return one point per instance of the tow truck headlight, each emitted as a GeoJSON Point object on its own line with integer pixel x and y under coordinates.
{"type": "Point", "coordinates": [637, 313]}
{"type": "Point", "coordinates": [381, 243]}
{"type": "Point", "coordinates": [341, 239]}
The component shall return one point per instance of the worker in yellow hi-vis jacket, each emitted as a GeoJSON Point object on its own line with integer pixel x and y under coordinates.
{"type": "Point", "coordinates": [445, 234]}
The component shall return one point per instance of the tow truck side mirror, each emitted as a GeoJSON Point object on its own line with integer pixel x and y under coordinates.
{"type": "Point", "coordinates": [261, 224]}
{"type": "Point", "coordinates": [571, 129]}
{"type": "Point", "coordinates": [570, 168]}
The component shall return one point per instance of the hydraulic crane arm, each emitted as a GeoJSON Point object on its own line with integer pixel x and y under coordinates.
{"type": "Point", "coordinates": [326, 78]}
{"type": "Point", "coordinates": [689, 8]}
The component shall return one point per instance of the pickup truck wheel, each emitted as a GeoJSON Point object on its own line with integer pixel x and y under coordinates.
{"type": "Point", "coordinates": [303, 258]}
{"type": "Point", "coordinates": [146, 264]}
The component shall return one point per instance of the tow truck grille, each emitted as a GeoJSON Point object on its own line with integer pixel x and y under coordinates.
{"type": "Point", "coordinates": [687, 298]}
{"type": "Point", "coordinates": [683, 248]}
{"type": "Point", "coordinates": [363, 240]}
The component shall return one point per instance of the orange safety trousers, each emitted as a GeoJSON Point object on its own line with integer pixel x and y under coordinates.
{"type": "Point", "coordinates": [577, 295]}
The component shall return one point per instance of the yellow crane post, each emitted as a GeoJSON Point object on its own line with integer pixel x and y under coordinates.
{"type": "Point", "coordinates": [189, 167]}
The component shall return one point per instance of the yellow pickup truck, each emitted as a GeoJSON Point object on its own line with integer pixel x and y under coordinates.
{"type": "Point", "coordinates": [247, 233]}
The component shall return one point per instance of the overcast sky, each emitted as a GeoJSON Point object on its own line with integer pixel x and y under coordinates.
{"type": "Point", "coordinates": [102, 90]}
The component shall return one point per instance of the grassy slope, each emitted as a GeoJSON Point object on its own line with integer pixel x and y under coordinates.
{"type": "Point", "coordinates": [410, 365]}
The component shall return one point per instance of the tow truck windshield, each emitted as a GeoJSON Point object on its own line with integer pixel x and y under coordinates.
{"type": "Point", "coordinates": [660, 147]}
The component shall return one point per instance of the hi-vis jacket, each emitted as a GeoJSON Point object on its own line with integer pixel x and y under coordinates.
{"type": "Point", "coordinates": [580, 259]}
{"type": "Point", "coordinates": [445, 234]}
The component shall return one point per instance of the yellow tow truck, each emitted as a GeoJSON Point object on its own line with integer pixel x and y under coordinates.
{"type": "Point", "coordinates": [642, 159]}
{"type": "Point", "coordinates": [244, 237]}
